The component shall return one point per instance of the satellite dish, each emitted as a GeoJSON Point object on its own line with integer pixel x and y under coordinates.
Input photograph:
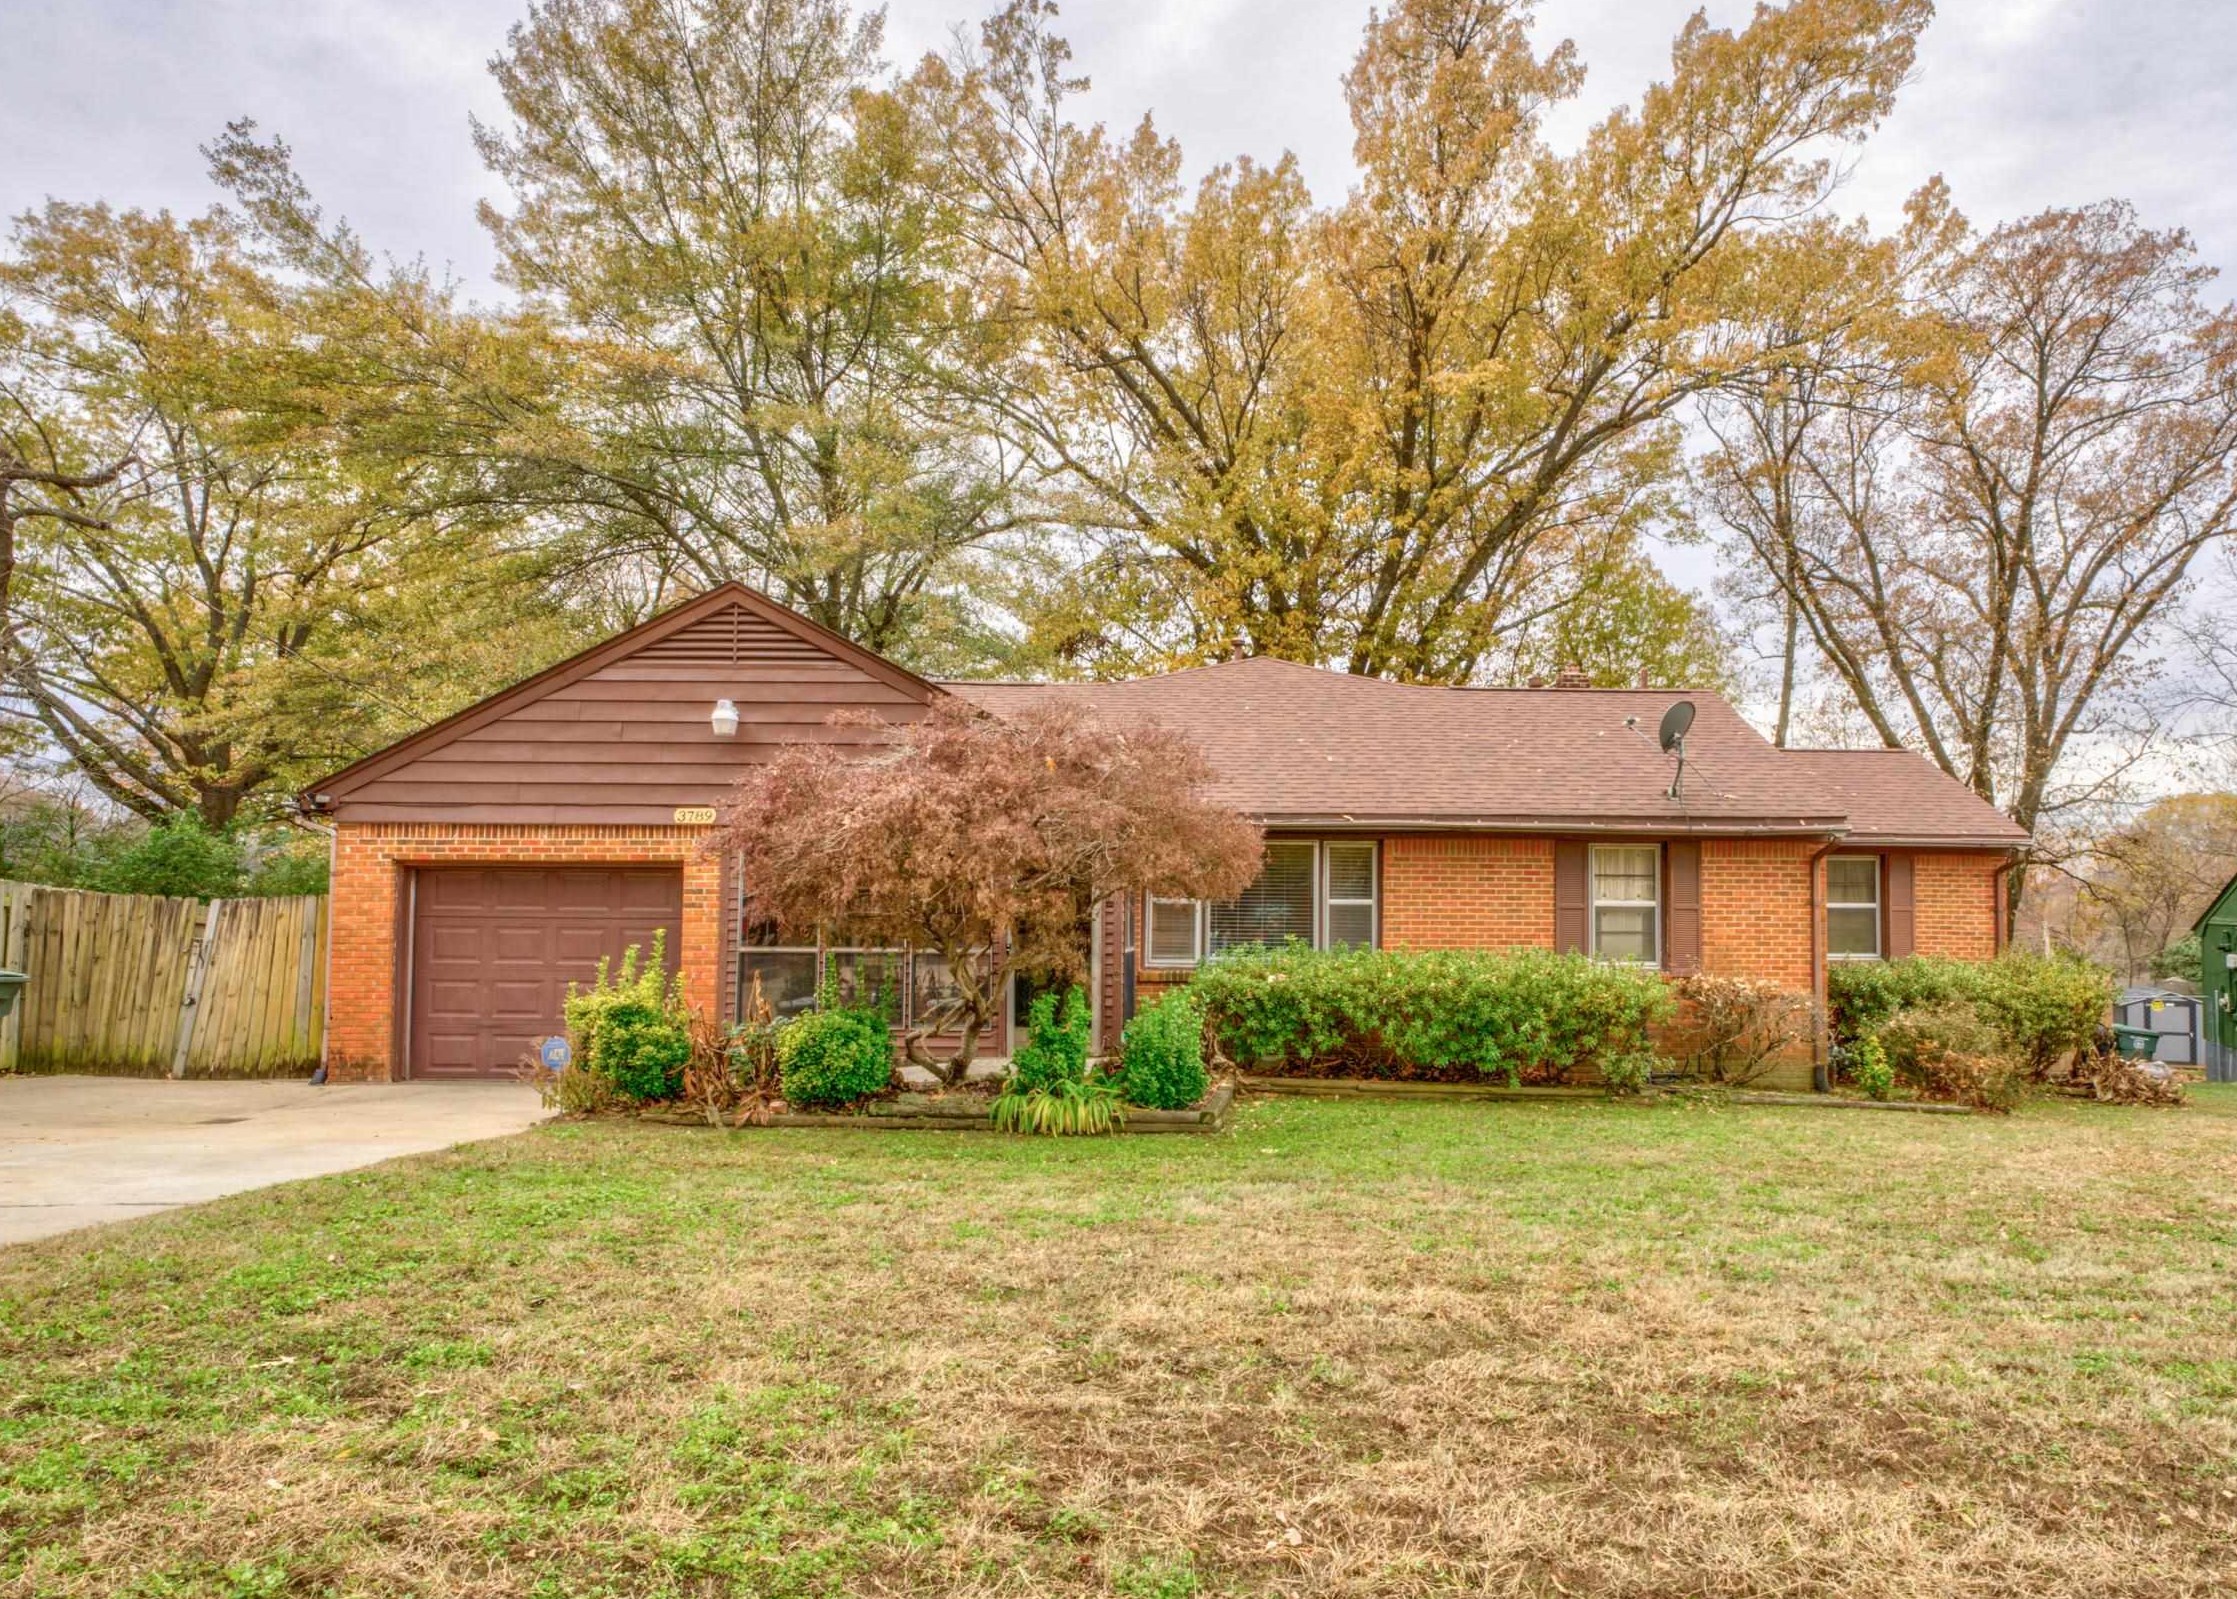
{"type": "Point", "coordinates": [1675, 721]}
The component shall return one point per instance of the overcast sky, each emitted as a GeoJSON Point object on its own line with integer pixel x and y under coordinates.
{"type": "Point", "coordinates": [2021, 104]}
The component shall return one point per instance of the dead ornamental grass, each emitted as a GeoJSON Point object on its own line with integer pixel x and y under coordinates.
{"type": "Point", "coordinates": [1348, 1348]}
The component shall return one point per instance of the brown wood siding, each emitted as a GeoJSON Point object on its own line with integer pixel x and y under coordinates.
{"type": "Point", "coordinates": [631, 740]}
{"type": "Point", "coordinates": [1898, 888]}
{"type": "Point", "coordinates": [1572, 894]}
{"type": "Point", "coordinates": [1682, 927]}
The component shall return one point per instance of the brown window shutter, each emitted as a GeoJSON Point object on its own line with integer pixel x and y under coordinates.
{"type": "Point", "coordinates": [1899, 916]}
{"type": "Point", "coordinates": [1572, 895]}
{"type": "Point", "coordinates": [1682, 936]}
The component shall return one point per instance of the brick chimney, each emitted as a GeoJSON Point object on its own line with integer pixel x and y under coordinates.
{"type": "Point", "coordinates": [1572, 677]}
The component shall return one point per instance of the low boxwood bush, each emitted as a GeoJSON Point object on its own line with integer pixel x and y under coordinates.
{"type": "Point", "coordinates": [1427, 1013]}
{"type": "Point", "coordinates": [1161, 1055]}
{"type": "Point", "coordinates": [834, 1055]}
{"type": "Point", "coordinates": [631, 1028]}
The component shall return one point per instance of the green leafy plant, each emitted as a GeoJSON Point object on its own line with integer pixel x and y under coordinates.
{"type": "Point", "coordinates": [1089, 1106]}
{"type": "Point", "coordinates": [1161, 1055]}
{"type": "Point", "coordinates": [2182, 959]}
{"type": "Point", "coordinates": [1863, 995]}
{"type": "Point", "coordinates": [836, 1054]}
{"type": "Point", "coordinates": [177, 856]}
{"type": "Point", "coordinates": [1429, 1013]}
{"type": "Point", "coordinates": [2043, 1008]}
{"type": "Point", "coordinates": [1868, 1064]}
{"type": "Point", "coordinates": [1056, 1043]}
{"type": "Point", "coordinates": [631, 1027]}
{"type": "Point", "coordinates": [1630, 1072]}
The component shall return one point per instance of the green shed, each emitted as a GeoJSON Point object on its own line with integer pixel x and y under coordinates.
{"type": "Point", "coordinates": [2217, 982]}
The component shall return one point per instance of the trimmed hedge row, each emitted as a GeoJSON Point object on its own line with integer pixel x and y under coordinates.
{"type": "Point", "coordinates": [2037, 1008]}
{"type": "Point", "coordinates": [1397, 1013]}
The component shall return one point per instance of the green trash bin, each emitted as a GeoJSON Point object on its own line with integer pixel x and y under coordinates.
{"type": "Point", "coordinates": [11, 984]}
{"type": "Point", "coordinates": [2135, 1043]}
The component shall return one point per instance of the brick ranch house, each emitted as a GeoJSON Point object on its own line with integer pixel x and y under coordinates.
{"type": "Point", "coordinates": [486, 861]}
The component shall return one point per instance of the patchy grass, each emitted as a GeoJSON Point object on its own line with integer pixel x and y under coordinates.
{"type": "Point", "coordinates": [1347, 1348]}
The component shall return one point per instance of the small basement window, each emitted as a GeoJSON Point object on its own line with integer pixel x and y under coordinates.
{"type": "Point", "coordinates": [1627, 902]}
{"type": "Point", "coordinates": [1852, 907]}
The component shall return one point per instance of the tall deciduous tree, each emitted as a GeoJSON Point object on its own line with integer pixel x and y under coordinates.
{"type": "Point", "coordinates": [720, 217]}
{"type": "Point", "coordinates": [1391, 436]}
{"type": "Point", "coordinates": [234, 559]}
{"type": "Point", "coordinates": [1980, 505]}
{"type": "Point", "coordinates": [986, 841]}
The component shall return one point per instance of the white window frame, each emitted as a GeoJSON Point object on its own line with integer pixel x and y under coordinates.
{"type": "Point", "coordinates": [1327, 900]}
{"type": "Point", "coordinates": [1321, 902]}
{"type": "Point", "coordinates": [1194, 910]}
{"type": "Point", "coordinates": [1594, 903]}
{"type": "Point", "coordinates": [1877, 906]}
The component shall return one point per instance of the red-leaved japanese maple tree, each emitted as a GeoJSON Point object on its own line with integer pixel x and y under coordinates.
{"type": "Point", "coordinates": [986, 840]}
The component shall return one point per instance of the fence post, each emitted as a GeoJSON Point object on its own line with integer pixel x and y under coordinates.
{"type": "Point", "coordinates": [197, 968]}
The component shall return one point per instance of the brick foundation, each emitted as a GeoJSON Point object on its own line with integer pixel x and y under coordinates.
{"type": "Point", "coordinates": [371, 858]}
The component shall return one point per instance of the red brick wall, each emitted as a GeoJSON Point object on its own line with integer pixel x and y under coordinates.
{"type": "Point", "coordinates": [1954, 896]}
{"type": "Point", "coordinates": [1467, 891]}
{"type": "Point", "coordinates": [370, 859]}
{"type": "Point", "coordinates": [1755, 910]}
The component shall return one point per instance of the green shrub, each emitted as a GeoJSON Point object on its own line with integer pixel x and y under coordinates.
{"type": "Point", "coordinates": [2043, 1008]}
{"type": "Point", "coordinates": [836, 1054]}
{"type": "Point", "coordinates": [2182, 959]}
{"type": "Point", "coordinates": [1162, 1055]}
{"type": "Point", "coordinates": [1056, 1043]}
{"type": "Point", "coordinates": [177, 856]}
{"type": "Point", "coordinates": [1868, 1064]}
{"type": "Point", "coordinates": [1454, 1013]}
{"type": "Point", "coordinates": [631, 1026]}
{"type": "Point", "coordinates": [1863, 995]}
{"type": "Point", "coordinates": [1629, 1073]}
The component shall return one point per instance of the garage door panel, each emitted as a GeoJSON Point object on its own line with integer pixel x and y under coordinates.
{"type": "Point", "coordinates": [494, 948]}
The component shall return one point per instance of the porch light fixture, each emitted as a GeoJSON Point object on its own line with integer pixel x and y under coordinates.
{"type": "Point", "coordinates": [725, 719]}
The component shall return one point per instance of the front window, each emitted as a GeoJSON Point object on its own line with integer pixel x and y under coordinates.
{"type": "Point", "coordinates": [1626, 902]}
{"type": "Point", "coordinates": [1276, 908]}
{"type": "Point", "coordinates": [1320, 892]}
{"type": "Point", "coordinates": [777, 970]}
{"type": "Point", "coordinates": [1852, 907]}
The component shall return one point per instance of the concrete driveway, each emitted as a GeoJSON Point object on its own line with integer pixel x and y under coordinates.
{"type": "Point", "coordinates": [79, 1150]}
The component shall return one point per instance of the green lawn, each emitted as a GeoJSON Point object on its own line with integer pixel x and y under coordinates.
{"type": "Point", "coordinates": [1347, 1348]}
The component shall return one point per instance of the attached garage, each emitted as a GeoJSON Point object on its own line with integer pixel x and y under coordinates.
{"type": "Point", "coordinates": [493, 949]}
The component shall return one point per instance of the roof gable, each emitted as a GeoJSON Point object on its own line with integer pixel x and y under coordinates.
{"type": "Point", "coordinates": [652, 684]}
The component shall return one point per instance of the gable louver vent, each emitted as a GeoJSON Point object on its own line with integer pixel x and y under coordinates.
{"type": "Point", "coordinates": [733, 637]}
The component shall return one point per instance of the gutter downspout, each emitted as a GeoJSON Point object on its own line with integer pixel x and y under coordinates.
{"type": "Point", "coordinates": [1821, 1064]}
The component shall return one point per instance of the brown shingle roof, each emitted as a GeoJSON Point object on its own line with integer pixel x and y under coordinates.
{"type": "Point", "coordinates": [1296, 745]}
{"type": "Point", "coordinates": [1293, 744]}
{"type": "Point", "coordinates": [1901, 797]}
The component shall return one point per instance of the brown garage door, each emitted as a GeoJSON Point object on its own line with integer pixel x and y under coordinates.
{"type": "Point", "coordinates": [494, 948]}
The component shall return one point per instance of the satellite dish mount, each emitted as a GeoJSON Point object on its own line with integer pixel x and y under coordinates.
{"type": "Point", "coordinates": [1672, 737]}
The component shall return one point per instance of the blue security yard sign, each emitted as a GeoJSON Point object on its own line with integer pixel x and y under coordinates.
{"type": "Point", "coordinates": [555, 1053]}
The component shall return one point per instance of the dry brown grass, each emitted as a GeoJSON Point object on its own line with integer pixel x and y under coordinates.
{"type": "Point", "coordinates": [1349, 1348]}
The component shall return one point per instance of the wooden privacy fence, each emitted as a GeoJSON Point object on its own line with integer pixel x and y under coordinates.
{"type": "Point", "coordinates": [149, 986]}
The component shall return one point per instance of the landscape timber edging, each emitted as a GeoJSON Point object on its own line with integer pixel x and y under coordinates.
{"type": "Point", "coordinates": [926, 1113]}
{"type": "Point", "coordinates": [1384, 1088]}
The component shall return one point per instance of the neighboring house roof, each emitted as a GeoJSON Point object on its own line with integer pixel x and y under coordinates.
{"type": "Point", "coordinates": [1901, 797]}
{"type": "Point", "coordinates": [1296, 745]}
{"type": "Point", "coordinates": [2225, 901]}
